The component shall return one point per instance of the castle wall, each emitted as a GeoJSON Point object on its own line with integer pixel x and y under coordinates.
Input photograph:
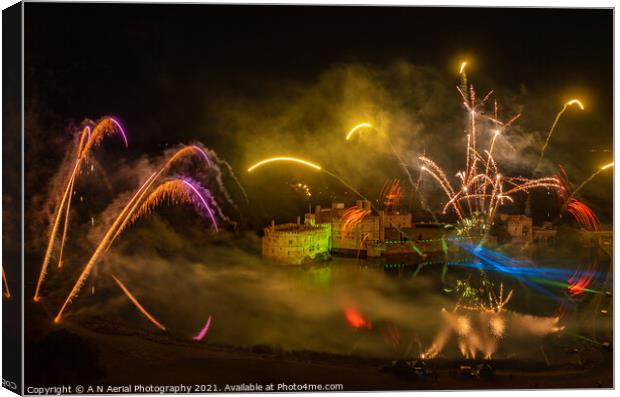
{"type": "Point", "coordinates": [295, 244]}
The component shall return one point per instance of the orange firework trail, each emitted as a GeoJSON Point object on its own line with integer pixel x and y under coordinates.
{"type": "Point", "coordinates": [176, 191]}
{"type": "Point", "coordinates": [137, 304]}
{"type": "Point", "coordinates": [352, 217]}
{"type": "Point", "coordinates": [127, 214]}
{"type": "Point", "coordinates": [184, 152]}
{"type": "Point", "coordinates": [106, 126]}
{"type": "Point", "coordinates": [391, 194]}
{"type": "Point", "coordinates": [6, 292]}
{"type": "Point", "coordinates": [583, 214]}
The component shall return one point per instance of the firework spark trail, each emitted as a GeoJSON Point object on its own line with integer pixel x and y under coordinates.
{"type": "Point", "coordinates": [52, 238]}
{"type": "Point", "coordinates": [402, 163]}
{"type": "Point", "coordinates": [66, 222]}
{"type": "Point", "coordinates": [7, 292]}
{"type": "Point", "coordinates": [352, 217]}
{"type": "Point", "coordinates": [482, 193]}
{"type": "Point", "coordinates": [585, 182]}
{"type": "Point", "coordinates": [391, 194]}
{"type": "Point", "coordinates": [219, 161]}
{"type": "Point", "coordinates": [394, 152]}
{"type": "Point", "coordinates": [439, 174]}
{"type": "Point", "coordinates": [311, 165]}
{"type": "Point", "coordinates": [555, 122]}
{"type": "Point", "coordinates": [357, 128]}
{"type": "Point", "coordinates": [200, 336]}
{"type": "Point", "coordinates": [584, 215]}
{"type": "Point", "coordinates": [129, 209]}
{"type": "Point", "coordinates": [137, 304]}
{"type": "Point", "coordinates": [288, 159]}
{"type": "Point", "coordinates": [125, 216]}
{"type": "Point", "coordinates": [106, 126]}
{"type": "Point", "coordinates": [176, 190]}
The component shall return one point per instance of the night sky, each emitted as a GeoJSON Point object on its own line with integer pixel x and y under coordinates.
{"type": "Point", "coordinates": [161, 68]}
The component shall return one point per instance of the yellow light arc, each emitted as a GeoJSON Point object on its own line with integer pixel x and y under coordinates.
{"type": "Point", "coordinates": [462, 69]}
{"type": "Point", "coordinates": [603, 168]}
{"type": "Point", "coordinates": [356, 128]}
{"type": "Point", "coordinates": [575, 101]}
{"type": "Point", "coordinates": [290, 159]}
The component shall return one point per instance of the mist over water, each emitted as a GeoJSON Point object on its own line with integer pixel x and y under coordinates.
{"type": "Point", "coordinates": [254, 302]}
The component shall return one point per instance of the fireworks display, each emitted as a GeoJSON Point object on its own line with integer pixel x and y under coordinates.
{"type": "Point", "coordinates": [287, 196]}
{"type": "Point", "coordinates": [106, 126]}
{"type": "Point", "coordinates": [479, 322]}
{"type": "Point", "coordinates": [180, 190]}
{"type": "Point", "coordinates": [482, 189]}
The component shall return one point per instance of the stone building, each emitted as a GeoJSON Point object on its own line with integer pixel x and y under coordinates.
{"type": "Point", "coordinates": [296, 243]}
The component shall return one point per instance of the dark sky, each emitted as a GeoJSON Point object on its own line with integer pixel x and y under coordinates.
{"type": "Point", "coordinates": [142, 60]}
{"type": "Point", "coordinates": [155, 66]}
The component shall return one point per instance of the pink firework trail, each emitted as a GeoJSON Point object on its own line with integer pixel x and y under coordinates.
{"type": "Point", "coordinates": [200, 336]}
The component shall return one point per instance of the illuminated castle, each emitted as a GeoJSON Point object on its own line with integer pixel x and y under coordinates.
{"type": "Point", "coordinates": [296, 243]}
{"type": "Point", "coordinates": [375, 234]}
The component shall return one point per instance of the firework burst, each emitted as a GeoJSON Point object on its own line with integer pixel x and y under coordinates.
{"type": "Point", "coordinates": [105, 127]}
{"type": "Point", "coordinates": [482, 189]}
{"type": "Point", "coordinates": [127, 214]}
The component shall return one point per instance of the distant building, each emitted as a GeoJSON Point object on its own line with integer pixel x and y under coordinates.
{"type": "Point", "coordinates": [396, 220]}
{"type": "Point", "coordinates": [296, 243]}
{"type": "Point", "coordinates": [514, 228]}
{"type": "Point", "coordinates": [379, 233]}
